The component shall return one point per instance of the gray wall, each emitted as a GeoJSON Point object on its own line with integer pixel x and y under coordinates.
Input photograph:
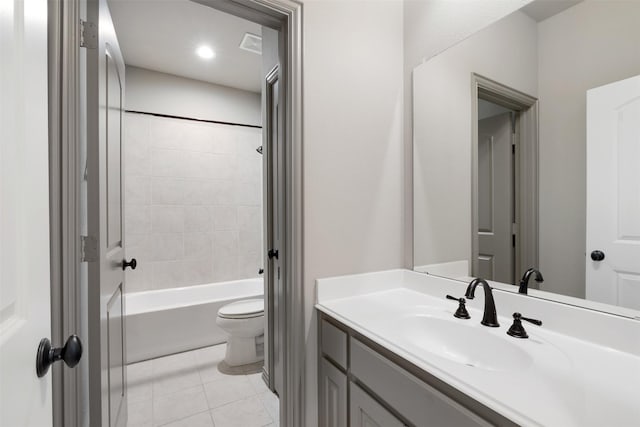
{"type": "Point", "coordinates": [157, 92]}
{"type": "Point", "coordinates": [353, 152]}
{"type": "Point", "coordinates": [505, 52]}
{"type": "Point", "coordinates": [355, 186]}
{"type": "Point", "coordinates": [488, 109]}
{"type": "Point", "coordinates": [586, 46]}
{"type": "Point", "coordinates": [430, 27]}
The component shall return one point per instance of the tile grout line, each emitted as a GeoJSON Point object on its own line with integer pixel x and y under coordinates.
{"type": "Point", "coordinates": [185, 417]}
{"type": "Point", "coordinates": [257, 392]}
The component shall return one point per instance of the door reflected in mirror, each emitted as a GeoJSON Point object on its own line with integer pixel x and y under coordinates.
{"type": "Point", "coordinates": [497, 193]}
{"type": "Point", "coordinates": [526, 146]}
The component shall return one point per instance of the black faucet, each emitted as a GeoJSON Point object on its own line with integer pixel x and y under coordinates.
{"type": "Point", "coordinates": [490, 317]}
{"type": "Point", "coordinates": [524, 282]}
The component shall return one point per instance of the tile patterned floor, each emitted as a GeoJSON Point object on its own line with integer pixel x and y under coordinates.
{"type": "Point", "coordinates": [188, 390]}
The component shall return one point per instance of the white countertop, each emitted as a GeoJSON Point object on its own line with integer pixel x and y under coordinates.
{"type": "Point", "coordinates": [549, 379]}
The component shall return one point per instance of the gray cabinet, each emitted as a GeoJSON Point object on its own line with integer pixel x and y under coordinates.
{"type": "Point", "coordinates": [367, 412]}
{"type": "Point", "coordinates": [333, 395]}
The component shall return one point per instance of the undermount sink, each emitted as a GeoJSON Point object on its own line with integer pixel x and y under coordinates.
{"type": "Point", "coordinates": [464, 344]}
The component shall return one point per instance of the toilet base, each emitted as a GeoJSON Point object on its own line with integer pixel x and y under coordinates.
{"type": "Point", "coordinates": [244, 351]}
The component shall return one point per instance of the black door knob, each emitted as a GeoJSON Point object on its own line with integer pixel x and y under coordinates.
{"type": "Point", "coordinates": [273, 253]}
{"type": "Point", "coordinates": [133, 264]}
{"type": "Point", "coordinates": [46, 356]}
{"type": "Point", "coordinates": [597, 255]}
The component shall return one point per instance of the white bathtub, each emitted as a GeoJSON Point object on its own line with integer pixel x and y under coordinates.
{"type": "Point", "coordinates": [179, 319]}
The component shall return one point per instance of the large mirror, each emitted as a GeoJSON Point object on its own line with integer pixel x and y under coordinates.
{"type": "Point", "coordinates": [527, 154]}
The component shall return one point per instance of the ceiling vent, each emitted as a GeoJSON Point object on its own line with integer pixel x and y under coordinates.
{"type": "Point", "coordinates": [251, 43]}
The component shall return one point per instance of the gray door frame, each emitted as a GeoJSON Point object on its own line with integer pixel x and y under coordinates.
{"type": "Point", "coordinates": [66, 172]}
{"type": "Point", "coordinates": [285, 16]}
{"type": "Point", "coordinates": [527, 161]}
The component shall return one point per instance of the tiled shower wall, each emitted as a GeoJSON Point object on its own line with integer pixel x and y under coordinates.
{"type": "Point", "coordinates": [193, 199]}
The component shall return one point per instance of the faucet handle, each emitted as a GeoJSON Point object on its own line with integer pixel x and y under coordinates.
{"type": "Point", "coordinates": [461, 312]}
{"type": "Point", "coordinates": [528, 319]}
{"type": "Point", "coordinates": [517, 330]}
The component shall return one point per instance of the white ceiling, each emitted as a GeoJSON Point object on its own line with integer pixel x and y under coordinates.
{"type": "Point", "coordinates": [162, 35]}
{"type": "Point", "coordinates": [539, 10]}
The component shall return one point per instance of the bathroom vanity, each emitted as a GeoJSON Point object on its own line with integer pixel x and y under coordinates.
{"type": "Point", "coordinates": [531, 168]}
{"type": "Point", "coordinates": [380, 388]}
{"type": "Point", "coordinates": [391, 353]}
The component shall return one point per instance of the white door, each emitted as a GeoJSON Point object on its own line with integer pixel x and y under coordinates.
{"type": "Point", "coordinates": [25, 399]}
{"type": "Point", "coordinates": [613, 193]}
{"type": "Point", "coordinates": [107, 351]}
{"type": "Point", "coordinates": [495, 199]}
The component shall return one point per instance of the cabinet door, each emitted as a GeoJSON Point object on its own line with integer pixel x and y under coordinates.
{"type": "Point", "coordinates": [332, 396]}
{"type": "Point", "coordinates": [366, 412]}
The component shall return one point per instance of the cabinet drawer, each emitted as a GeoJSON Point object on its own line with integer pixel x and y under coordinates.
{"type": "Point", "coordinates": [334, 343]}
{"type": "Point", "coordinates": [417, 401]}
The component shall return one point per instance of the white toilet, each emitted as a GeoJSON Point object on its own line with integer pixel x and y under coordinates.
{"type": "Point", "coordinates": [243, 321]}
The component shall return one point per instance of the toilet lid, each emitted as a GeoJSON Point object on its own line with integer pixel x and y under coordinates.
{"type": "Point", "coordinates": [242, 309]}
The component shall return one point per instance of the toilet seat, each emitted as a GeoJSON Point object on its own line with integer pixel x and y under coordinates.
{"type": "Point", "coordinates": [245, 309]}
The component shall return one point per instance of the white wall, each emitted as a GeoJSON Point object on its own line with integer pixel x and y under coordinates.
{"type": "Point", "coordinates": [430, 27]}
{"type": "Point", "coordinates": [156, 92]}
{"type": "Point", "coordinates": [353, 187]}
{"type": "Point", "coordinates": [505, 52]}
{"type": "Point", "coordinates": [588, 45]}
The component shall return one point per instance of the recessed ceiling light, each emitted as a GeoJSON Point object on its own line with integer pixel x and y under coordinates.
{"type": "Point", "coordinates": [205, 52]}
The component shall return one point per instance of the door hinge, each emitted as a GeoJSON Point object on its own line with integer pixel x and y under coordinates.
{"type": "Point", "coordinates": [88, 249]}
{"type": "Point", "coordinates": [88, 35]}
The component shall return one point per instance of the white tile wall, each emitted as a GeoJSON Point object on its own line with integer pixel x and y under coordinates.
{"type": "Point", "coordinates": [193, 202]}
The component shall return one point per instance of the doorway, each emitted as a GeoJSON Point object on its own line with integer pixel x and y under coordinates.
{"type": "Point", "coordinates": [504, 181]}
{"type": "Point", "coordinates": [194, 149]}
{"type": "Point", "coordinates": [497, 192]}
{"type": "Point", "coordinates": [284, 18]}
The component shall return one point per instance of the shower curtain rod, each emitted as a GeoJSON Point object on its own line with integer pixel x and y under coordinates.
{"type": "Point", "coordinates": [169, 116]}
